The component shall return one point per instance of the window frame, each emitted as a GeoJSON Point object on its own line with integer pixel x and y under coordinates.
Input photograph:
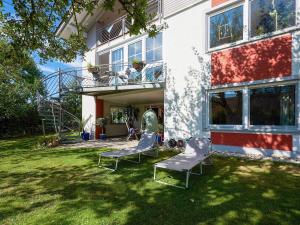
{"type": "Point", "coordinates": [246, 126]}
{"type": "Point", "coordinates": [224, 126]}
{"type": "Point", "coordinates": [122, 62]}
{"type": "Point", "coordinates": [247, 25]}
{"type": "Point", "coordinates": [115, 106]}
{"type": "Point", "coordinates": [273, 33]}
{"type": "Point", "coordinates": [134, 43]}
{"type": "Point", "coordinates": [275, 127]}
{"type": "Point", "coordinates": [220, 11]}
{"type": "Point", "coordinates": [153, 49]}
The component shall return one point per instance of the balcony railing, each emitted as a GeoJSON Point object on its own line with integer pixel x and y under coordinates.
{"type": "Point", "coordinates": [120, 27]}
{"type": "Point", "coordinates": [124, 74]}
{"type": "Point", "coordinates": [79, 80]}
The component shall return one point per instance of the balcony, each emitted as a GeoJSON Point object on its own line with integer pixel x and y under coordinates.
{"type": "Point", "coordinates": [123, 77]}
{"type": "Point", "coordinates": [120, 26]}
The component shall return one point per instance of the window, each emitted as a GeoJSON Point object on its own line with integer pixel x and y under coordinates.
{"type": "Point", "coordinates": [226, 108]}
{"type": "Point", "coordinates": [154, 49]}
{"type": "Point", "coordinates": [135, 52]}
{"type": "Point", "coordinates": [226, 27]}
{"type": "Point", "coordinates": [118, 114]}
{"type": "Point", "coordinates": [273, 106]}
{"type": "Point", "coordinates": [271, 15]}
{"type": "Point", "coordinates": [117, 60]}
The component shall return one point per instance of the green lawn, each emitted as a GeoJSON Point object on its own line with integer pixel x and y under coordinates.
{"type": "Point", "coordinates": [64, 186]}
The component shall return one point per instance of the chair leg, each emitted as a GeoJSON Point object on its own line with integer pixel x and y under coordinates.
{"type": "Point", "coordinates": [162, 182]}
{"type": "Point", "coordinates": [117, 161]}
{"type": "Point", "coordinates": [99, 160]}
{"type": "Point", "coordinates": [187, 179]}
{"type": "Point", "coordinates": [200, 167]}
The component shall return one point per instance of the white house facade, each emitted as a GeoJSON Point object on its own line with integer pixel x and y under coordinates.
{"type": "Point", "coordinates": [224, 69]}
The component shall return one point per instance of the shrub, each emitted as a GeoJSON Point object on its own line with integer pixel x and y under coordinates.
{"type": "Point", "coordinates": [49, 141]}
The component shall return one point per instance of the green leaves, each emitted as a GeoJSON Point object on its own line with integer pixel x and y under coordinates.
{"type": "Point", "coordinates": [19, 82]}
{"type": "Point", "coordinates": [33, 24]}
{"type": "Point", "coordinates": [137, 11]}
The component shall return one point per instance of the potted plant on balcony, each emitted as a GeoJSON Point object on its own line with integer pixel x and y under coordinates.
{"type": "Point", "coordinates": [102, 122]}
{"type": "Point", "coordinates": [138, 65]}
{"type": "Point", "coordinates": [93, 69]}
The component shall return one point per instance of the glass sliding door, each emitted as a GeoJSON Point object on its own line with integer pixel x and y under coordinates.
{"type": "Point", "coordinates": [153, 56]}
{"type": "Point", "coordinates": [117, 60]}
{"type": "Point", "coordinates": [135, 52]}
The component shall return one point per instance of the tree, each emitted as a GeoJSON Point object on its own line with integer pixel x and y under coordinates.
{"type": "Point", "coordinates": [32, 26]}
{"type": "Point", "coordinates": [19, 82]}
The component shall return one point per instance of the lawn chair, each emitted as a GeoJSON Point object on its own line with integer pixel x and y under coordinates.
{"type": "Point", "coordinates": [145, 144]}
{"type": "Point", "coordinates": [196, 151]}
{"type": "Point", "coordinates": [132, 132]}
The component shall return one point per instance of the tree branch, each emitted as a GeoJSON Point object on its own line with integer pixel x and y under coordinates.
{"type": "Point", "coordinates": [75, 18]}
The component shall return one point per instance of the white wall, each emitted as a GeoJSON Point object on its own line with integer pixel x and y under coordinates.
{"type": "Point", "coordinates": [89, 112]}
{"type": "Point", "coordinates": [173, 6]}
{"type": "Point", "coordinates": [88, 102]}
{"type": "Point", "coordinates": [188, 72]}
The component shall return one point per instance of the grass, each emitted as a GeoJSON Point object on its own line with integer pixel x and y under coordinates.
{"type": "Point", "coordinates": [64, 186]}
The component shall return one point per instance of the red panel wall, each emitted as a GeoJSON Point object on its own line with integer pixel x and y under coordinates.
{"type": "Point", "coordinates": [267, 141]}
{"type": "Point", "coordinates": [99, 113]}
{"type": "Point", "coordinates": [217, 2]}
{"type": "Point", "coordinates": [265, 59]}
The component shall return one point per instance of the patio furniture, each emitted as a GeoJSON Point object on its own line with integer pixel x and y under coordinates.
{"type": "Point", "coordinates": [132, 132]}
{"type": "Point", "coordinates": [145, 144]}
{"type": "Point", "coordinates": [196, 151]}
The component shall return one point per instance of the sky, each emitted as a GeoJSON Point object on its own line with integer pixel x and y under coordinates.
{"type": "Point", "coordinates": [51, 67]}
{"type": "Point", "coordinates": [48, 67]}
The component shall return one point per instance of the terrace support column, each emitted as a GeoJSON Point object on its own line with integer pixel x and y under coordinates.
{"type": "Point", "coordinates": [99, 114]}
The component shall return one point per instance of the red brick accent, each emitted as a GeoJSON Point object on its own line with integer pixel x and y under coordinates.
{"type": "Point", "coordinates": [282, 142]}
{"type": "Point", "coordinates": [217, 2]}
{"type": "Point", "coordinates": [265, 59]}
{"type": "Point", "coordinates": [99, 113]}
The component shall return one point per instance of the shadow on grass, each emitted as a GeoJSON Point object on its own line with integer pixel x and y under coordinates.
{"type": "Point", "coordinates": [66, 187]}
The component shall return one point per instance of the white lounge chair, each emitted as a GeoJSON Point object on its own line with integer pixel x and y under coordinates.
{"type": "Point", "coordinates": [145, 144]}
{"type": "Point", "coordinates": [196, 151]}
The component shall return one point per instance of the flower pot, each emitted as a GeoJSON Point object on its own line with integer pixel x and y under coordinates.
{"type": "Point", "coordinates": [138, 66]}
{"type": "Point", "coordinates": [103, 137]}
{"type": "Point", "coordinates": [94, 70]}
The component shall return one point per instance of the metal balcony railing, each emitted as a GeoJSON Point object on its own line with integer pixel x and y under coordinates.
{"type": "Point", "coordinates": [113, 30]}
{"type": "Point", "coordinates": [120, 27]}
{"type": "Point", "coordinates": [124, 74]}
{"type": "Point", "coordinates": [62, 82]}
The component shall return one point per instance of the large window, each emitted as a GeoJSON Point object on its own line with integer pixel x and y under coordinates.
{"type": "Point", "coordinates": [118, 114]}
{"type": "Point", "coordinates": [226, 108]}
{"type": "Point", "coordinates": [135, 51]}
{"type": "Point", "coordinates": [271, 15]}
{"type": "Point", "coordinates": [226, 27]}
{"type": "Point", "coordinates": [117, 60]}
{"type": "Point", "coordinates": [273, 106]}
{"type": "Point", "coordinates": [154, 49]}
{"type": "Point", "coordinates": [154, 54]}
